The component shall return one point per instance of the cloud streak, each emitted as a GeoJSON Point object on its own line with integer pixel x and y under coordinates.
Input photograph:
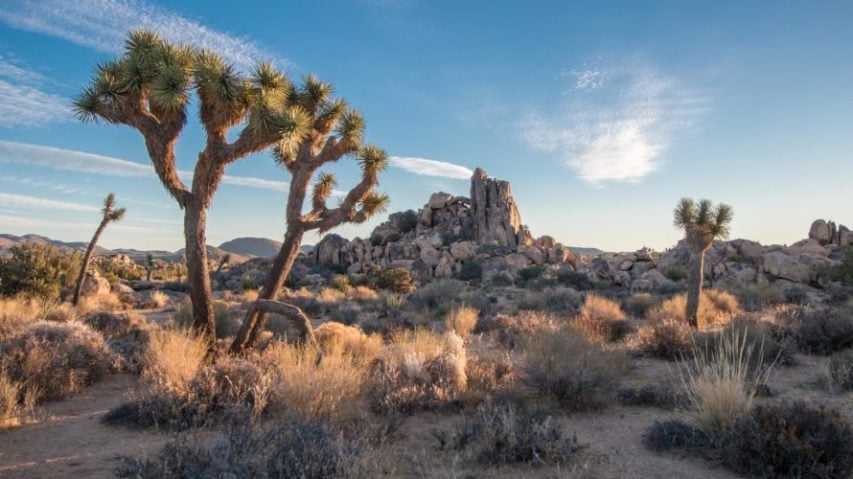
{"type": "Point", "coordinates": [425, 167]}
{"type": "Point", "coordinates": [33, 202]}
{"type": "Point", "coordinates": [103, 24]}
{"type": "Point", "coordinates": [82, 162]}
{"type": "Point", "coordinates": [22, 102]}
{"type": "Point", "coordinates": [617, 124]}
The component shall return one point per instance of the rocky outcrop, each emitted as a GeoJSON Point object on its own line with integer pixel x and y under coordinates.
{"type": "Point", "coordinates": [446, 234]}
{"type": "Point", "coordinates": [828, 233]}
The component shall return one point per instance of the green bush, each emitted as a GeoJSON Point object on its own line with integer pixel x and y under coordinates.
{"type": "Point", "coordinates": [530, 273]}
{"type": "Point", "coordinates": [754, 297]}
{"type": "Point", "coordinates": [843, 272]}
{"type": "Point", "coordinates": [433, 295]}
{"type": "Point", "coordinates": [675, 273]}
{"type": "Point", "coordinates": [556, 300]}
{"type": "Point", "coordinates": [38, 270]}
{"type": "Point", "coordinates": [471, 271]}
{"type": "Point", "coordinates": [396, 280]}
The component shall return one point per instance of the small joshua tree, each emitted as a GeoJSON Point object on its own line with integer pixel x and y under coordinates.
{"type": "Point", "coordinates": [702, 224]}
{"type": "Point", "coordinates": [336, 131]}
{"type": "Point", "coordinates": [109, 214]}
{"type": "Point", "coordinates": [149, 266]}
{"type": "Point", "coordinates": [149, 89]}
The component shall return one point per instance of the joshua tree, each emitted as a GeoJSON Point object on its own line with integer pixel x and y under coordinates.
{"type": "Point", "coordinates": [109, 214]}
{"type": "Point", "coordinates": [702, 224]}
{"type": "Point", "coordinates": [148, 88]}
{"type": "Point", "coordinates": [149, 266]}
{"type": "Point", "coordinates": [335, 131]}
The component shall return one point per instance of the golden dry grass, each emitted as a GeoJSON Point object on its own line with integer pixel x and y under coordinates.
{"type": "Point", "coordinates": [716, 308]}
{"type": "Point", "coordinates": [17, 401]}
{"type": "Point", "coordinates": [172, 360]}
{"type": "Point", "coordinates": [461, 320]}
{"type": "Point", "coordinates": [339, 339]}
{"type": "Point", "coordinates": [602, 319]}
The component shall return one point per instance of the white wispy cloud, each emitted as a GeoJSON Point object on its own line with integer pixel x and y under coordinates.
{"type": "Point", "coordinates": [619, 131]}
{"type": "Point", "coordinates": [103, 24]}
{"type": "Point", "coordinates": [22, 102]}
{"type": "Point", "coordinates": [586, 79]}
{"type": "Point", "coordinates": [423, 166]}
{"type": "Point", "coordinates": [82, 162]}
{"type": "Point", "coordinates": [50, 185]}
{"type": "Point", "coordinates": [33, 202]}
{"type": "Point", "coordinates": [25, 222]}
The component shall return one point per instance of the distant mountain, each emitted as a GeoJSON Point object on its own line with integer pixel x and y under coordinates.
{"type": "Point", "coordinates": [7, 241]}
{"type": "Point", "coordinates": [213, 254]}
{"type": "Point", "coordinates": [248, 246]}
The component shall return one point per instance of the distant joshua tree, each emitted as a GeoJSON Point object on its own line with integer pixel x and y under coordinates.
{"type": "Point", "coordinates": [109, 215]}
{"type": "Point", "coordinates": [702, 224]}
{"type": "Point", "coordinates": [149, 266]}
{"type": "Point", "coordinates": [149, 87]}
{"type": "Point", "coordinates": [335, 131]}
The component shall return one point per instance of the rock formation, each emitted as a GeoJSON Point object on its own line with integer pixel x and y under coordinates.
{"type": "Point", "coordinates": [828, 233]}
{"type": "Point", "coordinates": [445, 235]}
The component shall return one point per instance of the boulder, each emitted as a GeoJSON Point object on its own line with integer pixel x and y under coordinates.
{"type": "Point", "coordinates": [94, 284]}
{"type": "Point", "coordinates": [463, 250]}
{"type": "Point", "coordinates": [808, 247]}
{"type": "Point", "coordinates": [439, 200]}
{"type": "Point", "coordinates": [534, 254]}
{"type": "Point", "coordinates": [494, 211]}
{"type": "Point", "coordinates": [444, 269]}
{"type": "Point", "coordinates": [782, 266]}
{"type": "Point", "coordinates": [819, 232]}
{"type": "Point", "coordinates": [327, 251]}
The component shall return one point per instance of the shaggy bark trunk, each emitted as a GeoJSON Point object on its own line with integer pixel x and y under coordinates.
{"type": "Point", "coordinates": [279, 272]}
{"type": "Point", "coordinates": [198, 276]}
{"type": "Point", "coordinates": [694, 287]}
{"type": "Point", "coordinates": [78, 287]}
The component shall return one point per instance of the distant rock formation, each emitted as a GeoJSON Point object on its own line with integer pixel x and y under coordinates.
{"type": "Point", "coordinates": [827, 233]}
{"type": "Point", "coordinates": [248, 246]}
{"type": "Point", "coordinates": [446, 234]}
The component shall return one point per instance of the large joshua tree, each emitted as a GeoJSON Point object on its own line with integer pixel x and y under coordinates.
{"type": "Point", "coordinates": [109, 214]}
{"type": "Point", "coordinates": [702, 224]}
{"type": "Point", "coordinates": [335, 131]}
{"type": "Point", "coordinates": [149, 88]}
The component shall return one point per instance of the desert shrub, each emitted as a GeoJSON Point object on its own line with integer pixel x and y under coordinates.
{"type": "Point", "coordinates": [530, 273]}
{"type": "Point", "coordinates": [667, 339]}
{"type": "Point", "coordinates": [346, 313]}
{"type": "Point", "coordinates": [796, 295]}
{"type": "Point", "coordinates": [601, 319]}
{"type": "Point", "coordinates": [126, 335]}
{"type": "Point", "coordinates": [294, 447]}
{"type": "Point", "coordinates": [768, 347]}
{"type": "Point", "coordinates": [715, 307]}
{"type": "Point", "coordinates": [362, 294]}
{"type": "Point", "coordinates": [57, 359]}
{"type": "Point", "coordinates": [789, 440]}
{"type": "Point", "coordinates": [843, 272]}
{"type": "Point", "coordinates": [418, 370]}
{"type": "Point", "coordinates": [563, 367]}
{"type": "Point", "coordinates": [19, 311]}
{"type": "Point", "coordinates": [720, 382]}
{"type": "Point", "coordinates": [470, 271]}
{"type": "Point", "coordinates": [433, 295]}
{"type": "Point", "coordinates": [661, 395]}
{"type": "Point", "coordinates": [675, 273]}
{"type": "Point", "coordinates": [841, 370]}
{"type": "Point", "coordinates": [674, 434]}
{"type": "Point", "coordinates": [340, 282]}
{"type": "Point", "coordinates": [488, 375]}
{"type": "Point", "coordinates": [38, 269]}
{"type": "Point", "coordinates": [511, 331]}
{"type": "Point", "coordinates": [575, 279]}
{"type": "Point", "coordinates": [115, 324]}
{"type": "Point", "coordinates": [337, 339]}
{"type": "Point", "coordinates": [824, 330]}
{"type": "Point", "coordinates": [754, 297]}
{"type": "Point", "coordinates": [503, 433]}
{"type": "Point", "coordinates": [172, 360]}
{"type": "Point", "coordinates": [556, 300]}
{"type": "Point", "coordinates": [228, 318]}
{"type": "Point", "coordinates": [461, 320]}
{"type": "Point", "coordinates": [395, 280]}
{"type": "Point", "coordinates": [637, 305]}
{"type": "Point", "coordinates": [315, 382]}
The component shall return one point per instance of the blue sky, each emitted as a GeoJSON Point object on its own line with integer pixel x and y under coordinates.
{"type": "Point", "coordinates": [601, 114]}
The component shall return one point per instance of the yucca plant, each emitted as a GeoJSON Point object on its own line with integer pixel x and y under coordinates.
{"type": "Point", "coordinates": [702, 224]}
{"type": "Point", "coordinates": [109, 214]}
{"type": "Point", "coordinates": [333, 131]}
{"type": "Point", "coordinates": [149, 88]}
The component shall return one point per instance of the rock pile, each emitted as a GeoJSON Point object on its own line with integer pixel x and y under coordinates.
{"type": "Point", "coordinates": [445, 235]}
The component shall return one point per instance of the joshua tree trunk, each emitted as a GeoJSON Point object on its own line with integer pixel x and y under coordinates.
{"type": "Point", "coordinates": [198, 277]}
{"type": "Point", "coordinates": [86, 259]}
{"type": "Point", "coordinates": [694, 287]}
{"type": "Point", "coordinates": [275, 280]}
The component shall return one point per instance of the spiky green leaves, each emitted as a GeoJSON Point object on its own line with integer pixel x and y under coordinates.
{"type": "Point", "coordinates": [350, 130]}
{"type": "Point", "coordinates": [313, 94]}
{"type": "Point", "coordinates": [703, 219]}
{"type": "Point", "coordinates": [374, 203]}
{"type": "Point", "coordinates": [323, 189]}
{"type": "Point", "coordinates": [109, 210]}
{"type": "Point", "coordinates": [328, 116]}
{"type": "Point", "coordinates": [372, 160]}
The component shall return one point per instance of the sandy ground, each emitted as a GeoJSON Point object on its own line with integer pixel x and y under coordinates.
{"type": "Point", "coordinates": [71, 442]}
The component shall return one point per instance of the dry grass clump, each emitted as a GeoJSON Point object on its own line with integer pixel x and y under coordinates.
{"type": "Point", "coordinates": [639, 304]}
{"type": "Point", "coordinates": [101, 302]}
{"type": "Point", "coordinates": [555, 300]}
{"type": "Point", "coordinates": [173, 359]}
{"type": "Point", "coordinates": [564, 367]}
{"type": "Point", "coordinates": [511, 331]}
{"type": "Point", "coordinates": [841, 370]}
{"type": "Point", "coordinates": [667, 339]}
{"type": "Point", "coordinates": [17, 312]}
{"type": "Point", "coordinates": [362, 294]}
{"type": "Point", "coordinates": [56, 359]}
{"type": "Point", "coordinates": [313, 382]}
{"type": "Point", "coordinates": [418, 370]}
{"type": "Point", "coordinates": [337, 339]}
{"type": "Point", "coordinates": [126, 334]}
{"type": "Point", "coordinates": [461, 320]}
{"type": "Point", "coordinates": [716, 307]}
{"type": "Point", "coordinates": [602, 319]}
{"type": "Point", "coordinates": [229, 318]}
{"type": "Point", "coordinates": [488, 374]}
{"type": "Point", "coordinates": [823, 330]}
{"type": "Point", "coordinates": [721, 382]}
{"type": "Point", "coordinates": [17, 401]}
{"type": "Point", "coordinates": [115, 324]}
